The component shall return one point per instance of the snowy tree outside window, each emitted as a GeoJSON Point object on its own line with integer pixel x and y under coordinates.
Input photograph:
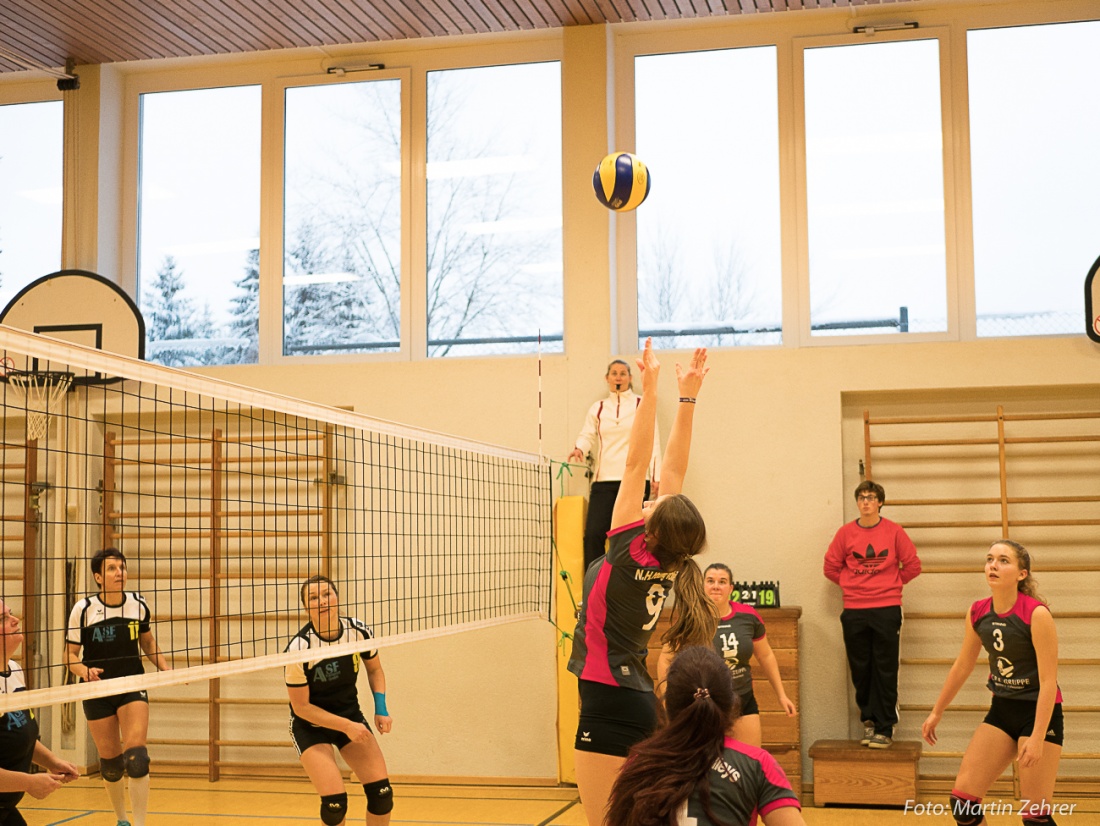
{"type": "Point", "coordinates": [198, 229]}
{"type": "Point", "coordinates": [342, 219]}
{"type": "Point", "coordinates": [494, 245]}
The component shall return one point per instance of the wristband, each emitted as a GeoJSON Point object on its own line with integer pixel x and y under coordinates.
{"type": "Point", "coordinates": [687, 399]}
{"type": "Point", "coordinates": [380, 704]}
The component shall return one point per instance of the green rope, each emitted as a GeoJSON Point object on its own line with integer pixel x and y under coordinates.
{"type": "Point", "coordinates": [567, 578]}
{"type": "Point", "coordinates": [563, 469]}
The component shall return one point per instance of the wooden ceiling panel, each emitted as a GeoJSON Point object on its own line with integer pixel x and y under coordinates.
{"type": "Point", "coordinates": [48, 32]}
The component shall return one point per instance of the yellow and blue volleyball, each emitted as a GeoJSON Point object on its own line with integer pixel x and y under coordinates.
{"type": "Point", "coordinates": [621, 182]}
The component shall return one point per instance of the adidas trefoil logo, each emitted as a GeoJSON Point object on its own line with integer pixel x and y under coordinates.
{"type": "Point", "coordinates": [869, 558]}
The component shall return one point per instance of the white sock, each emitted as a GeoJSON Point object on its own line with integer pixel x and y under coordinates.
{"type": "Point", "coordinates": [117, 795]}
{"type": "Point", "coordinates": [139, 798]}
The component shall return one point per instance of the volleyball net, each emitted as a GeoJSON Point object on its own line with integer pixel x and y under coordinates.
{"type": "Point", "coordinates": [224, 499]}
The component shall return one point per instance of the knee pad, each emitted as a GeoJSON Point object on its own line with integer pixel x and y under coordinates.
{"type": "Point", "coordinates": [379, 796]}
{"type": "Point", "coordinates": [966, 811]}
{"type": "Point", "coordinates": [111, 769]}
{"type": "Point", "coordinates": [137, 761]}
{"type": "Point", "coordinates": [334, 808]}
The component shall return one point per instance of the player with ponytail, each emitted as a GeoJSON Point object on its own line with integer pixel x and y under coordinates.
{"type": "Point", "coordinates": [690, 771]}
{"type": "Point", "coordinates": [651, 549]}
{"type": "Point", "coordinates": [1025, 721]}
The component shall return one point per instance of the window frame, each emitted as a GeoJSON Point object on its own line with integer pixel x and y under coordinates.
{"type": "Point", "coordinates": [274, 72]}
{"type": "Point", "coordinates": [952, 212]}
{"type": "Point", "coordinates": [627, 47]}
{"type": "Point", "coordinates": [14, 92]}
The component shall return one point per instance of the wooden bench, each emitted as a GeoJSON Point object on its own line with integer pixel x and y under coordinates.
{"type": "Point", "coordinates": [846, 772]}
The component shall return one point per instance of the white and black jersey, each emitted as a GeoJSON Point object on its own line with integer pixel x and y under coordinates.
{"type": "Point", "coordinates": [109, 634]}
{"type": "Point", "coordinates": [331, 680]}
{"type": "Point", "coordinates": [18, 734]}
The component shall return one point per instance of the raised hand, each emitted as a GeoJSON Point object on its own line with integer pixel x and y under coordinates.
{"type": "Point", "coordinates": [648, 366]}
{"type": "Point", "coordinates": [690, 380]}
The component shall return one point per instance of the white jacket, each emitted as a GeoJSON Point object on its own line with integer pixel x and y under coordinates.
{"type": "Point", "coordinates": [606, 435]}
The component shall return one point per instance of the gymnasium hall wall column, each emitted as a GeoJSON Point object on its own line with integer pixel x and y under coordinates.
{"type": "Point", "coordinates": [587, 227]}
{"type": "Point", "coordinates": [92, 146]}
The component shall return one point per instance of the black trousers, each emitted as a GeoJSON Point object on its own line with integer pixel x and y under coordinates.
{"type": "Point", "coordinates": [601, 502]}
{"type": "Point", "coordinates": [872, 638]}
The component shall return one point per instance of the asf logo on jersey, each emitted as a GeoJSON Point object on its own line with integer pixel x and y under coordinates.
{"type": "Point", "coordinates": [105, 633]}
{"type": "Point", "coordinates": [328, 672]}
{"type": "Point", "coordinates": [871, 560]}
{"type": "Point", "coordinates": [1005, 667]}
{"type": "Point", "coordinates": [17, 719]}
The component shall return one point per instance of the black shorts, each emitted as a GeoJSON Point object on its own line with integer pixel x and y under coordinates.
{"type": "Point", "coordinates": [305, 735]}
{"type": "Point", "coordinates": [99, 708]}
{"type": "Point", "coordinates": [11, 817]}
{"type": "Point", "coordinates": [1016, 718]}
{"type": "Point", "coordinates": [613, 719]}
{"type": "Point", "coordinates": [748, 703]}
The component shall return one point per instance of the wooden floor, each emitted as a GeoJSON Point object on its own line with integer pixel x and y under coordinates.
{"type": "Point", "coordinates": [182, 801]}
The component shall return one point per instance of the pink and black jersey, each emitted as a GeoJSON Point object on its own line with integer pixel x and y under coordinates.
{"type": "Point", "coordinates": [745, 782]}
{"type": "Point", "coordinates": [1013, 666]}
{"type": "Point", "coordinates": [736, 633]}
{"type": "Point", "coordinates": [623, 596]}
{"type": "Point", "coordinates": [109, 634]}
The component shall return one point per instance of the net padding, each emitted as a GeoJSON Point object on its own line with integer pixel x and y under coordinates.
{"type": "Point", "coordinates": [225, 498]}
{"type": "Point", "coordinates": [39, 392]}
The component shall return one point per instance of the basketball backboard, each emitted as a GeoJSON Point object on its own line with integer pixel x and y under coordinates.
{"type": "Point", "coordinates": [79, 307]}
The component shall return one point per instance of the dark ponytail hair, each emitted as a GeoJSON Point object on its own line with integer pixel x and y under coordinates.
{"type": "Point", "coordinates": [667, 768]}
{"type": "Point", "coordinates": [1027, 585]}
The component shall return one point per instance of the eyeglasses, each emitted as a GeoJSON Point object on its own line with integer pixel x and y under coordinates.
{"type": "Point", "coordinates": [867, 497]}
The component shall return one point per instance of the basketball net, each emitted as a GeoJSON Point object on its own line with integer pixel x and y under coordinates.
{"type": "Point", "coordinates": [40, 393]}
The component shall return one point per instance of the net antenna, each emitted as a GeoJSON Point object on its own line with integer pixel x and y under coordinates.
{"type": "Point", "coordinates": [39, 392]}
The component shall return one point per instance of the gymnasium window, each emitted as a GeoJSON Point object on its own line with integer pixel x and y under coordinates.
{"type": "Point", "coordinates": [494, 242]}
{"type": "Point", "coordinates": [874, 189]}
{"type": "Point", "coordinates": [1035, 170]}
{"type": "Point", "coordinates": [30, 194]}
{"type": "Point", "coordinates": [198, 225]}
{"type": "Point", "coordinates": [708, 237]}
{"type": "Point", "coordinates": [342, 219]}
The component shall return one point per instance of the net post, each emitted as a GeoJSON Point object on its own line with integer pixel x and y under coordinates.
{"type": "Point", "coordinates": [30, 543]}
{"type": "Point", "coordinates": [214, 770]}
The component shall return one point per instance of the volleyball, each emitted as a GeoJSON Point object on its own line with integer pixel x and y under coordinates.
{"type": "Point", "coordinates": [621, 181]}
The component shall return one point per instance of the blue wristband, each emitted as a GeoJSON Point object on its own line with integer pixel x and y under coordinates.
{"type": "Point", "coordinates": [380, 704]}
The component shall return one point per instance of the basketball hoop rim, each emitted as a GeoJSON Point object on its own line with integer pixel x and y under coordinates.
{"type": "Point", "coordinates": [50, 377]}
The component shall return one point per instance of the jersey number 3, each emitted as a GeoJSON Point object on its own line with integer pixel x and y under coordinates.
{"type": "Point", "coordinates": [654, 602]}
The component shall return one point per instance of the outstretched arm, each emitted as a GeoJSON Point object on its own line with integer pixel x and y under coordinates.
{"type": "Point", "coordinates": [628, 502]}
{"type": "Point", "coordinates": [674, 466]}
